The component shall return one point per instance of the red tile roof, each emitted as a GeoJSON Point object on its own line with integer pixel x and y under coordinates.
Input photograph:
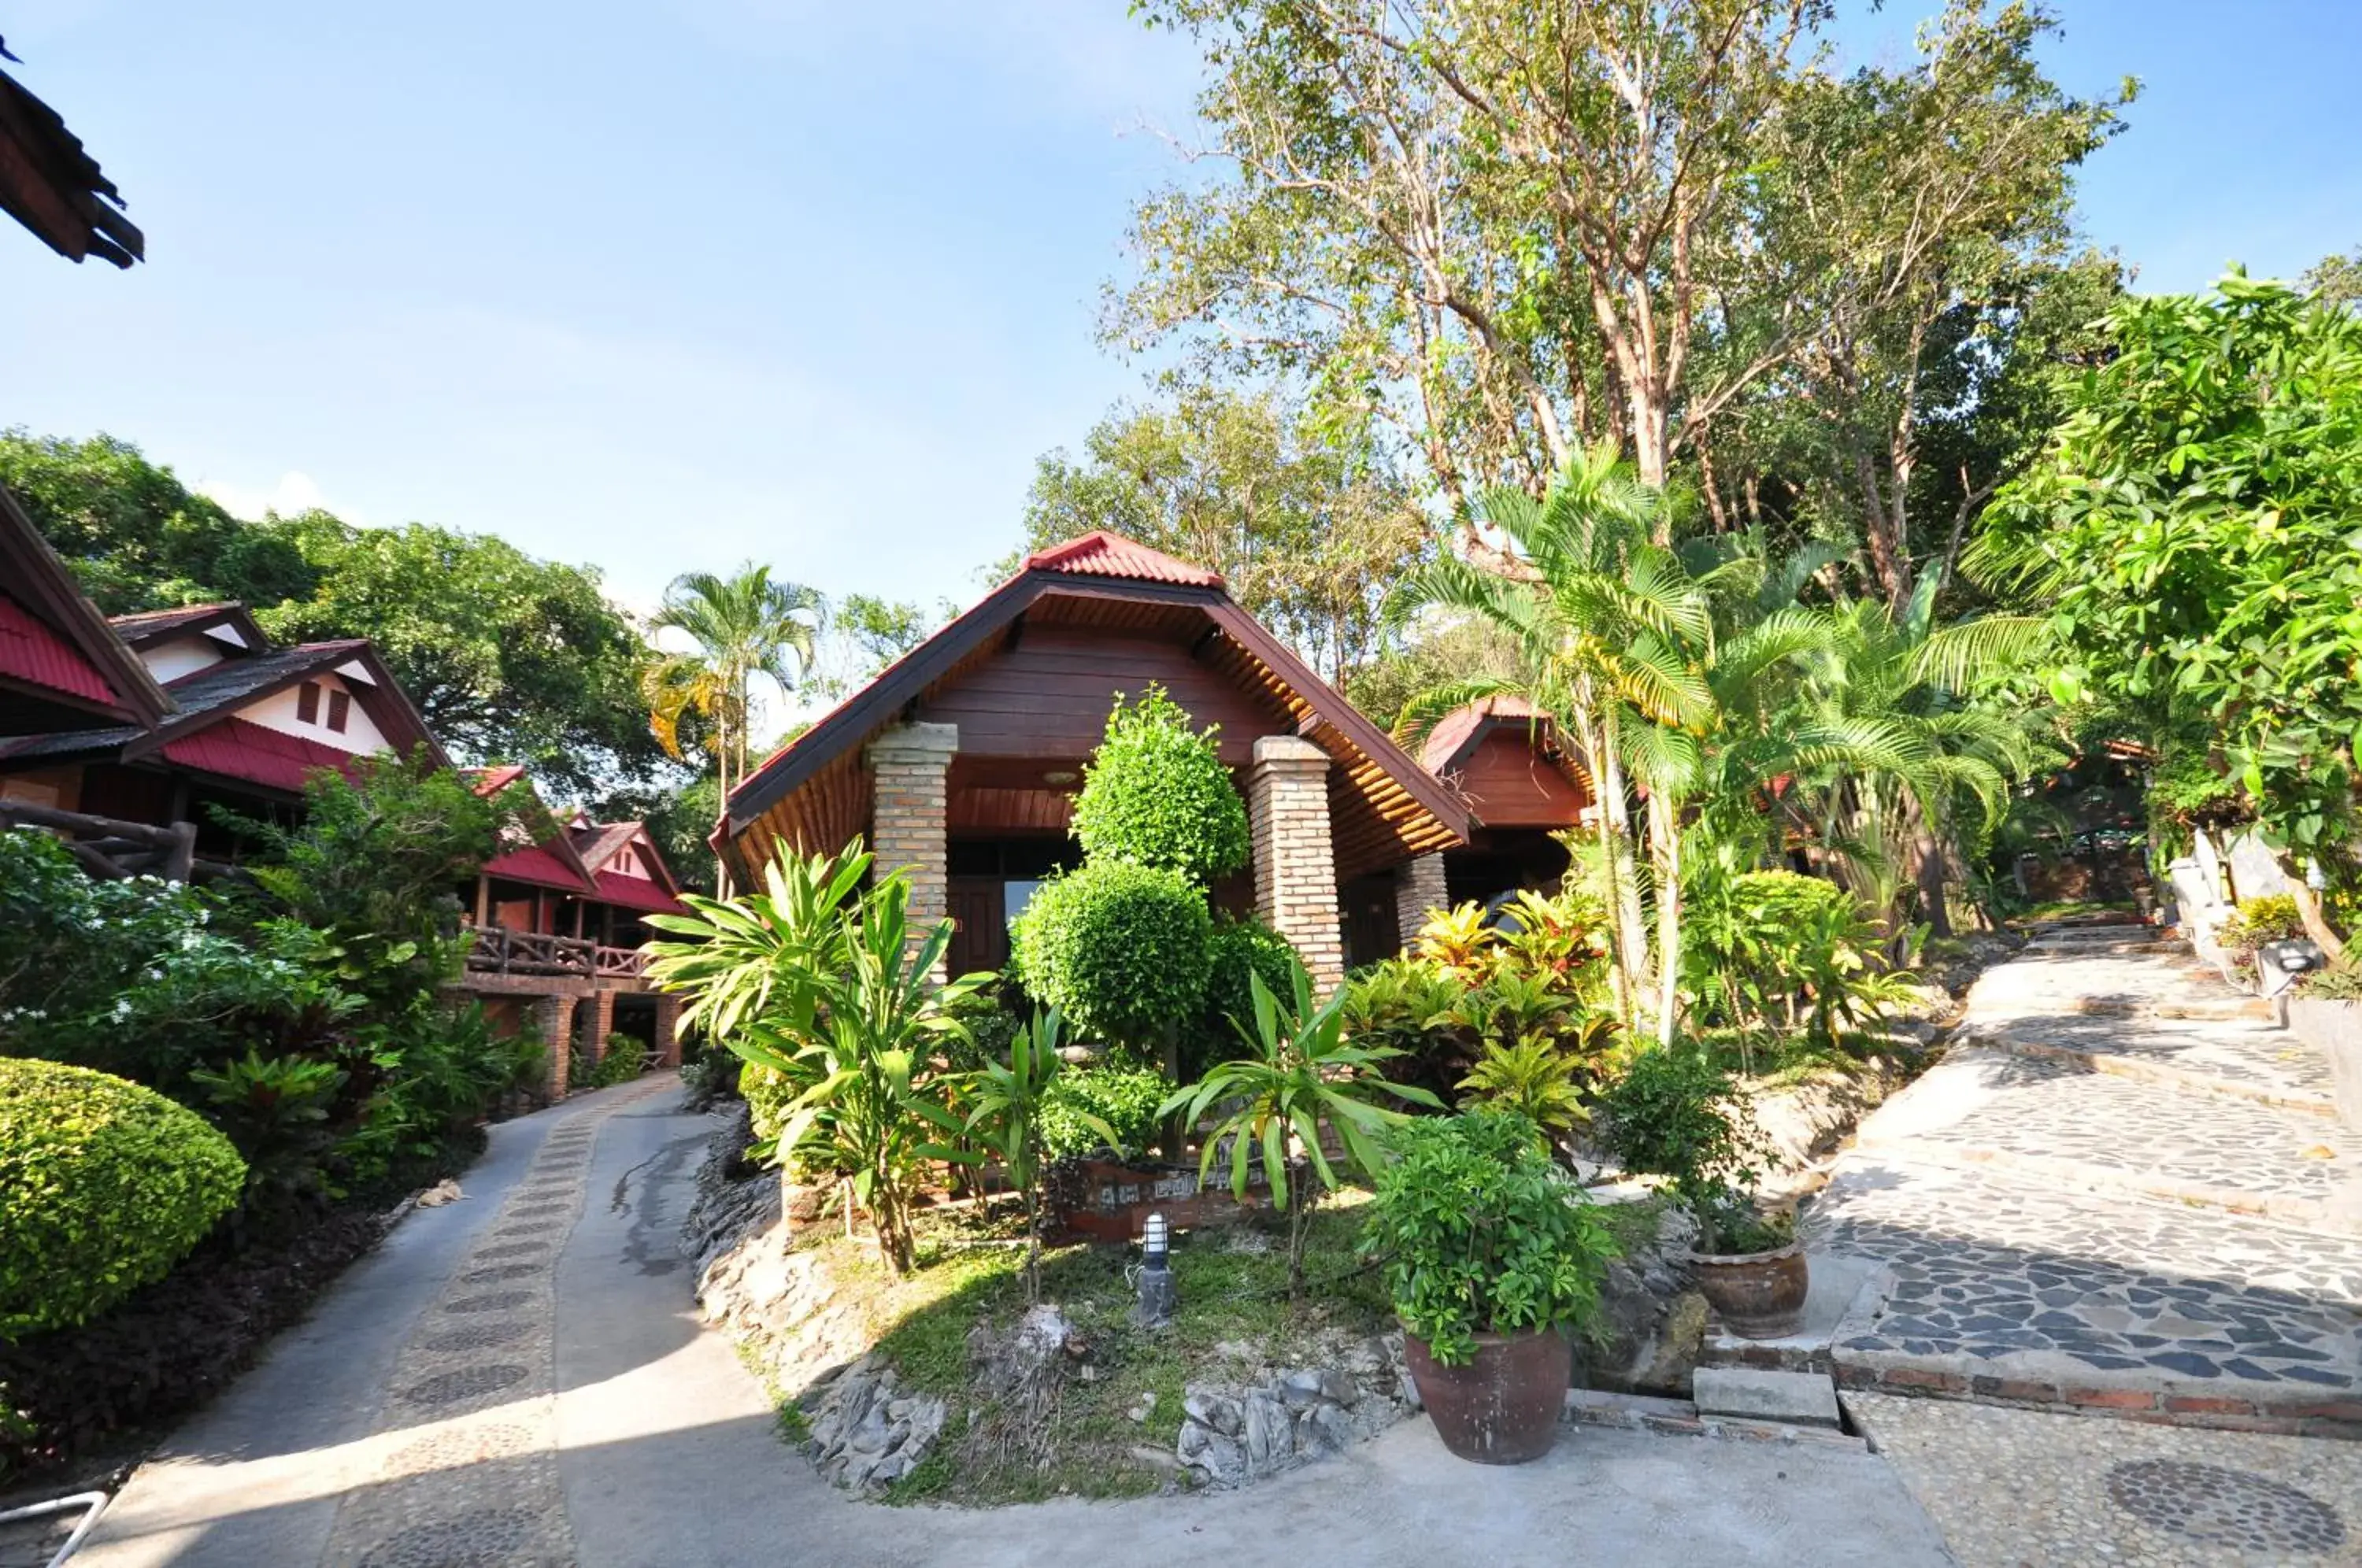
{"type": "Point", "coordinates": [1454, 730]}
{"type": "Point", "coordinates": [637, 894]}
{"type": "Point", "coordinates": [1102, 554]}
{"type": "Point", "coordinates": [30, 652]}
{"type": "Point", "coordinates": [240, 748]}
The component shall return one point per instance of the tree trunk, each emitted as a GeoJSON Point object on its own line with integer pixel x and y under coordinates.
{"type": "Point", "coordinates": [1665, 844]}
{"type": "Point", "coordinates": [1623, 874]}
{"type": "Point", "coordinates": [2316, 924]}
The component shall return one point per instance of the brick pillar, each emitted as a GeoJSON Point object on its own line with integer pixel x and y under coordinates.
{"type": "Point", "coordinates": [668, 1041]}
{"type": "Point", "coordinates": [602, 1024]}
{"type": "Point", "coordinates": [909, 798]}
{"type": "Point", "coordinates": [1419, 891]}
{"type": "Point", "coordinates": [1294, 861]}
{"type": "Point", "coordinates": [556, 1022]}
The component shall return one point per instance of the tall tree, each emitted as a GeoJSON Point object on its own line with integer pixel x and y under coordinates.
{"type": "Point", "coordinates": [747, 626]}
{"type": "Point", "coordinates": [2193, 524]}
{"type": "Point", "coordinates": [1310, 524]}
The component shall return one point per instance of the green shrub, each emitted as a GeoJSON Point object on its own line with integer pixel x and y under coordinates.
{"type": "Point", "coordinates": [2258, 921]}
{"type": "Point", "coordinates": [1120, 950]}
{"type": "Point", "coordinates": [620, 1063]}
{"type": "Point", "coordinates": [1480, 1233]}
{"type": "Point", "coordinates": [1676, 1114]}
{"type": "Point", "coordinates": [104, 1186]}
{"type": "Point", "coordinates": [1155, 794]}
{"type": "Point", "coordinates": [1125, 1099]}
{"type": "Point", "coordinates": [1238, 951]}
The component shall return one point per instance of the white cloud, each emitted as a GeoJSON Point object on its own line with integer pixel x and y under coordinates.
{"type": "Point", "coordinates": [295, 492]}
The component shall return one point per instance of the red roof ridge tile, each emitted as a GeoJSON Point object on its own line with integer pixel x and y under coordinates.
{"type": "Point", "coordinates": [1105, 553]}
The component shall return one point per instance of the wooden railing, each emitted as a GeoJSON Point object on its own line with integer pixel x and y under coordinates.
{"type": "Point", "coordinates": [108, 849]}
{"type": "Point", "coordinates": [499, 951]}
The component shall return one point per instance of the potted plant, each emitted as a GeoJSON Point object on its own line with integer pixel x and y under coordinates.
{"type": "Point", "coordinates": [1674, 1114]}
{"type": "Point", "coordinates": [1491, 1253]}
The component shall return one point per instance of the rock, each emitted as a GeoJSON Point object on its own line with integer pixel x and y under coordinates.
{"type": "Point", "coordinates": [1338, 1387]}
{"type": "Point", "coordinates": [1268, 1437]}
{"type": "Point", "coordinates": [1214, 1411]}
{"type": "Point", "coordinates": [1300, 1390]}
{"type": "Point", "coordinates": [1148, 1454]}
{"type": "Point", "coordinates": [1324, 1428]}
{"type": "Point", "coordinates": [1142, 1406]}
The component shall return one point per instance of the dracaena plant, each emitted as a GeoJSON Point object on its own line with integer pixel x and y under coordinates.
{"type": "Point", "coordinates": [832, 991]}
{"type": "Point", "coordinates": [1305, 1079]}
{"type": "Point", "coordinates": [1005, 1116]}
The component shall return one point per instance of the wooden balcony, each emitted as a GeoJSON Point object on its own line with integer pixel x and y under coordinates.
{"type": "Point", "coordinates": [528, 961]}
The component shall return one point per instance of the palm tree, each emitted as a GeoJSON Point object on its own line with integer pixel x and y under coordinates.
{"type": "Point", "coordinates": [1596, 610]}
{"type": "Point", "coordinates": [744, 625]}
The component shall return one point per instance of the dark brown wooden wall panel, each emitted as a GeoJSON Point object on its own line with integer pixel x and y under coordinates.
{"type": "Point", "coordinates": [1512, 784]}
{"type": "Point", "coordinates": [1049, 696]}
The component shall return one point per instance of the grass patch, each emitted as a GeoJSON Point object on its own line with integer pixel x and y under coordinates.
{"type": "Point", "coordinates": [1234, 1315]}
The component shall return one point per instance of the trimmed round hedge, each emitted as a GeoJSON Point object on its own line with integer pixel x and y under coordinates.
{"type": "Point", "coordinates": [1156, 794]}
{"type": "Point", "coordinates": [104, 1186]}
{"type": "Point", "coordinates": [1120, 949]}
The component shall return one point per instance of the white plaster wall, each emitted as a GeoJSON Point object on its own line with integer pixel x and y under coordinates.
{"type": "Point", "coordinates": [182, 655]}
{"type": "Point", "coordinates": [277, 712]}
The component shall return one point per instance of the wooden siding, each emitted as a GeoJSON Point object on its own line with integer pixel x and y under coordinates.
{"type": "Point", "coordinates": [1049, 696]}
{"type": "Point", "coordinates": [1512, 784]}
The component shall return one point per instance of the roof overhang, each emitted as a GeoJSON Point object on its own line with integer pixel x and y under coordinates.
{"type": "Point", "coordinates": [38, 580]}
{"type": "Point", "coordinates": [1424, 813]}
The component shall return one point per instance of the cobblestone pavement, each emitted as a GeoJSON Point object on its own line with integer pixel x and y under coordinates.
{"type": "Point", "coordinates": [2055, 1235]}
{"type": "Point", "coordinates": [2029, 1489]}
{"type": "Point", "coordinates": [2056, 1116]}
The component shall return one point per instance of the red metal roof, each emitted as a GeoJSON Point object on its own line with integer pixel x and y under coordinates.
{"type": "Point", "coordinates": [240, 748]}
{"type": "Point", "coordinates": [491, 782]}
{"type": "Point", "coordinates": [1102, 554]}
{"type": "Point", "coordinates": [1452, 731]}
{"type": "Point", "coordinates": [30, 651]}
{"type": "Point", "coordinates": [538, 863]}
{"type": "Point", "coordinates": [637, 894]}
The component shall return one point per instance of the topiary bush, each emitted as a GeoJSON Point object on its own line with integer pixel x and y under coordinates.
{"type": "Point", "coordinates": [1124, 1098]}
{"type": "Point", "coordinates": [104, 1186]}
{"type": "Point", "coordinates": [1156, 794]}
{"type": "Point", "coordinates": [1121, 949]}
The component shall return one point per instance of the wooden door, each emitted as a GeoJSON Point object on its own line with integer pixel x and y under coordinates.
{"type": "Point", "coordinates": [980, 929]}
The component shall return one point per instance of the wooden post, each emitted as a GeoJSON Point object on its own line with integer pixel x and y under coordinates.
{"type": "Point", "coordinates": [483, 899]}
{"type": "Point", "coordinates": [181, 857]}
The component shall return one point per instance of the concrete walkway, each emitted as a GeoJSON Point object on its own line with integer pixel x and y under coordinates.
{"type": "Point", "coordinates": [2121, 1192]}
{"type": "Point", "coordinates": [520, 1379]}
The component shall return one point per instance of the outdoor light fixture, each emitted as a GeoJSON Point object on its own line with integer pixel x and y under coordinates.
{"type": "Point", "coordinates": [1058, 776]}
{"type": "Point", "coordinates": [1155, 1309]}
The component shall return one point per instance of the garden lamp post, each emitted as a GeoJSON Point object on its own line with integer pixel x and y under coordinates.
{"type": "Point", "coordinates": [1155, 1309]}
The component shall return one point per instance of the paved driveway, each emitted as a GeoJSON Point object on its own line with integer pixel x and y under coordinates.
{"type": "Point", "coordinates": [521, 1378]}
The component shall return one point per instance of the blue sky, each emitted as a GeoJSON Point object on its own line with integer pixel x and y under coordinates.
{"type": "Point", "coordinates": [667, 286]}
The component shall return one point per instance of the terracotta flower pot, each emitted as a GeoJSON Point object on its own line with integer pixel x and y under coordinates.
{"type": "Point", "coordinates": [1504, 1406]}
{"type": "Point", "coordinates": [1758, 1295]}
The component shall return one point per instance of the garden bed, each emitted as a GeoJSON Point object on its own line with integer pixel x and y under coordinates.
{"type": "Point", "coordinates": [1104, 1413]}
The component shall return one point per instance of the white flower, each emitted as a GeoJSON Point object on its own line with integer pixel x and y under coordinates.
{"type": "Point", "coordinates": [122, 1008]}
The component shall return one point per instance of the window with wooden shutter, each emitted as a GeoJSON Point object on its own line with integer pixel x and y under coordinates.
{"type": "Point", "coordinates": [307, 703]}
{"type": "Point", "coordinates": [341, 705]}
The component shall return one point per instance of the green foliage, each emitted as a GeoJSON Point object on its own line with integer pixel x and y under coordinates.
{"type": "Point", "coordinates": [1480, 1234]}
{"type": "Point", "coordinates": [1764, 942]}
{"type": "Point", "coordinates": [1305, 1081]}
{"type": "Point", "coordinates": [1238, 951]}
{"type": "Point", "coordinates": [1120, 950]}
{"type": "Point", "coordinates": [2339, 982]}
{"type": "Point", "coordinates": [275, 1110]}
{"type": "Point", "coordinates": [831, 991]}
{"type": "Point", "coordinates": [1102, 1106]}
{"type": "Point", "coordinates": [1156, 794]}
{"type": "Point", "coordinates": [1009, 1109]}
{"type": "Point", "coordinates": [744, 625]}
{"type": "Point", "coordinates": [1309, 521]}
{"type": "Point", "coordinates": [108, 1185]}
{"type": "Point", "coordinates": [1676, 1114]}
{"type": "Point", "coordinates": [619, 1064]}
{"type": "Point", "coordinates": [1532, 1078]}
{"type": "Point", "coordinates": [2195, 522]}
{"type": "Point", "coordinates": [2258, 921]}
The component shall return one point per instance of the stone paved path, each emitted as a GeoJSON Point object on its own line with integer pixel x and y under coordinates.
{"type": "Point", "coordinates": [521, 1379]}
{"type": "Point", "coordinates": [2121, 1193]}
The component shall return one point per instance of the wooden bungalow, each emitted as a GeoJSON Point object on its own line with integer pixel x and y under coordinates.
{"type": "Point", "coordinates": [248, 722]}
{"type": "Point", "coordinates": [560, 916]}
{"type": "Point", "coordinates": [1522, 781]}
{"type": "Point", "coordinates": [961, 760]}
{"type": "Point", "coordinates": [48, 183]}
